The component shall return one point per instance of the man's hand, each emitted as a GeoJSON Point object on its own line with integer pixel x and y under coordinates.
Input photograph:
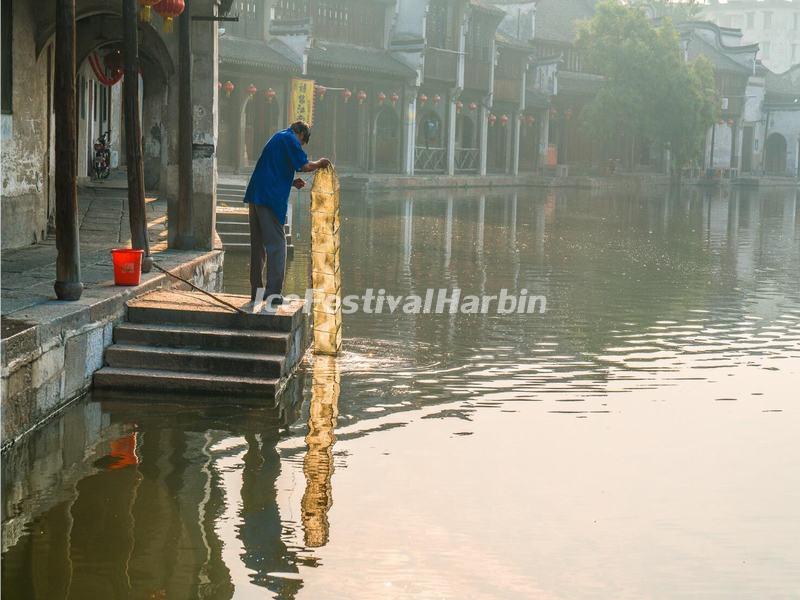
{"type": "Point", "coordinates": [316, 164]}
{"type": "Point", "coordinates": [299, 183]}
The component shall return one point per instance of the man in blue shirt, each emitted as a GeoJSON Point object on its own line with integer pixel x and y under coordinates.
{"type": "Point", "coordinates": [267, 196]}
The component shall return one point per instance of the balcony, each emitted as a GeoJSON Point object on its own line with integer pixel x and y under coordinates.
{"type": "Point", "coordinates": [477, 75]}
{"type": "Point", "coordinates": [441, 65]}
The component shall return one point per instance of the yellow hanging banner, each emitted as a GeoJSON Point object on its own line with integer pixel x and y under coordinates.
{"type": "Point", "coordinates": [301, 107]}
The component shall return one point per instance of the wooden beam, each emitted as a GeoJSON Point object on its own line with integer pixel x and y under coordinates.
{"type": "Point", "coordinates": [68, 284]}
{"type": "Point", "coordinates": [185, 238]}
{"type": "Point", "coordinates": [133, 133]}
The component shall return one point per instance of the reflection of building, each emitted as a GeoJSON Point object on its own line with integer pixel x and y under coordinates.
{"type": "Point", "coordinates": [318, 462]}
{"type": "Point", "coordinates": [772, 24]}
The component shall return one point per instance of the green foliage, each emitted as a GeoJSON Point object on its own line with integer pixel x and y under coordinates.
{"type": "Point", "coordinates": [677, 10]}
{"type": "Point", "coordinates": [649, 89]}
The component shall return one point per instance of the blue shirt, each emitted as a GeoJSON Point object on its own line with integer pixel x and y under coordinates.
{"type": "Point", "coordinates": [271, 181]}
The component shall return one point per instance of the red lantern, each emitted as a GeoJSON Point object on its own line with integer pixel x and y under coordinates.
{"type": "Point", "coordinates": [169, 9]}
{"type": "Point", "coordinates": [146, 13]}
{"type": "Point", "coordinates": [530, 120]}
{"type": "Point", "coordinates": [321, 89]}
{"type": "Point", "coordinates": [422, 99]}
{"type": "Point", "coordinates": [730, 122]}
{"type": "Point", "coordinates": [346, 94]}
{"type": "Point", "coordinates": [270, 95]}
{"type": "Point", "coordinates": [473, 107]}
{"type": "Point", "coordinates": [459, 105]}
{"type": "Point", "coordinates": [395, 98]}
{"type": "Point", "coordinates": [229, 87]}
{"type": "Point", "coordinates": [492, 118]}
{"type": "Point", "coordinates": [113, 62]}
{"type": "Point", "coordinates": [251, 90]}
{"type": "Point", "coordinates": [362, 95]}
{"type": "Point", "coordinates": [720, 122]}
{"type": "Point", "coordinates": [437, 98]}
{"type": "Point", "coordinates": [504, 120]}
{"type": "Point", "coordinates": [381, 98]}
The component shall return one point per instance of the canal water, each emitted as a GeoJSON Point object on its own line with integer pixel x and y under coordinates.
{"type": "Point", "coordinates": [636, 440]}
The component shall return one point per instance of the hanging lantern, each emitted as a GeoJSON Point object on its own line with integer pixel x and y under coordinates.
{"type": "Point", "coordinates": [459, 105]}
{"type": "Point", "coordinates": [422, 99]}
{"type": "Point", "coordinates": [437, 98]}
{"type": "Point", "coordinates": [219, 85]}
{"type": "Point", "coordinates": [321, 89]}
{"type": "Point", "coordinates": [492, 118]}
{"type": "Point", "coordinates": [228, 87]}
{"type": "Point", "coordinates": [381, 98]}
{"type": "Point", "coordinates": [113, 62]}
{"type": "Point", "coordinates": [269, 95]}
{"type": "Point", "coordinates": [146, 12]}
{"type": "Point", "coordinates": [504, 120]}
{"type": "Point", "coordinates": [346, 94]}
{"type": "Point", "coordinates": [395, 98]}
{"type": "Point", "coordinates": [169, 9]}
{"type": "Point", "coordinates": [362, 95]}
{"type": "Point", "coordinates": [730, 122]}
{"type": "Point", "coordinates": [473, 107]}
{"type": "Point", "coordinates": [251, 90]}
{"type": "Point", "coordinates": [720, 122]}
{"type": "Point", "coordinates": [530, 120]}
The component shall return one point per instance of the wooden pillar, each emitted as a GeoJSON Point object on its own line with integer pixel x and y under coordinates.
{"type": "Point", "coordinates": [133, 133]}
{"type": "Point", "coordinates": [68, 284]}
{"type": "Point", "coordinates": [185, 237]}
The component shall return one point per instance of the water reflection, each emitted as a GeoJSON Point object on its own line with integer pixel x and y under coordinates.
{"type": "Point", "coordinates": [318, 462]}
{"type": "Point", "coordinates": [476, 455]}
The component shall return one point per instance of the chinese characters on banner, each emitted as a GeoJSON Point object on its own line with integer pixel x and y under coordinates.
{"type": "Point", "coordinates": [302, 103]}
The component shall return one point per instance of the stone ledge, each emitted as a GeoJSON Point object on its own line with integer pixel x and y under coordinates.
{"type": "Point", "coordinates": [50, 350]}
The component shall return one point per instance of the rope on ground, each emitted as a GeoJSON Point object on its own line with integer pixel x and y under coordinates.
{"type": "Point", "coordinates": [194, 287]}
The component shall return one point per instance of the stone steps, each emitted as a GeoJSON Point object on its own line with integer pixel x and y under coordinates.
{"type": "Point", "coordinates": [186, 343]}
{"type": "Point", "coordinates": [144, 380]}
{"type": "Point", "coordinates": [196, 360]}
{"type": "Point", "coordinates": [211, 338]}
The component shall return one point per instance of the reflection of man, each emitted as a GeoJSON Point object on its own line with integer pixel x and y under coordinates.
{"type": "Point", "coordinates": [268, 198]}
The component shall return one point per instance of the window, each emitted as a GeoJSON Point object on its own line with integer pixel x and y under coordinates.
{"type": "Point", "coordinates": [436, 26]}
{"type": "Point", "coordinates": [767, 20]}
{"type": "Point", "coordinates": [7, 81]}
{"type": "Point", "coordinates": [751, 20]}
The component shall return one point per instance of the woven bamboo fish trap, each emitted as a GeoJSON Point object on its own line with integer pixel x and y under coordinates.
{"type": "Point", "coordinates": [326, 276]}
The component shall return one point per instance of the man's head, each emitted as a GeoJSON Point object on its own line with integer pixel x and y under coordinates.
{"type": "Point", "coordinates": [301, 130]}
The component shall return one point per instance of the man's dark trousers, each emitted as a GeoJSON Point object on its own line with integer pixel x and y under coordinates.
{"type": "Point", "coordinates": [267, 241]}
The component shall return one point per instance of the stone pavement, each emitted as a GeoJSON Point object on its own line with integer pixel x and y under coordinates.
{"type": "Point", "coordinates": [28, 273]}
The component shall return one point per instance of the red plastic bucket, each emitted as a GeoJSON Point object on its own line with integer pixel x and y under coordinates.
{"type": "Point", "coordinates": [127, 266]}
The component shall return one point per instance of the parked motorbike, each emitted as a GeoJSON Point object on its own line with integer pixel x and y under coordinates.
{"type": "Point", "coordinates": [102, 157]}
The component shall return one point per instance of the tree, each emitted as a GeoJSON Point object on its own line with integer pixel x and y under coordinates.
{"type": "Point", "coordinates": [649, 90]}
{"type": "Point", "coordinates": [677, 10]}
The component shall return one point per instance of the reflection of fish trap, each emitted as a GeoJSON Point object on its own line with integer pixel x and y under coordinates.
{"type": "Point", "coordinates": [326, 278]}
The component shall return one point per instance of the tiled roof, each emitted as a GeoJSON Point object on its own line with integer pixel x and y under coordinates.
{"type": "Point", "coordinates": [783, 88]}
{"type": "Point", "coordinates": [357, 58]}
{"type": "Point", "coordinates": [557, 20]}
{"type": "Point", "coordinates": [254, 53]}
